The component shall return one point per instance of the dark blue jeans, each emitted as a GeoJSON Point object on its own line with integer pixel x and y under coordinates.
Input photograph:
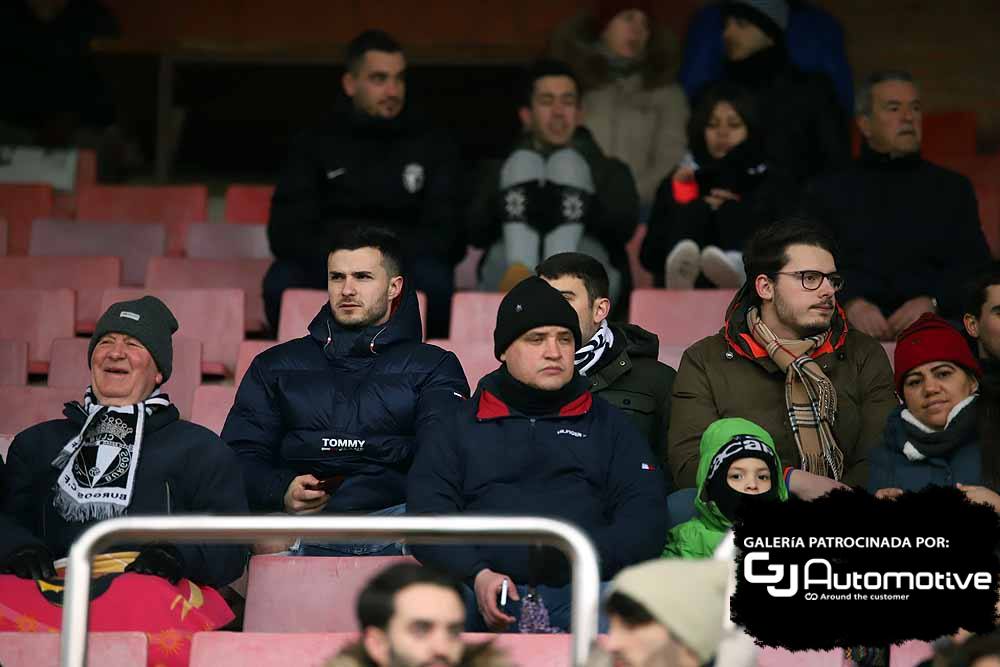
{"type": "Point", "coordinates": [355, 549]}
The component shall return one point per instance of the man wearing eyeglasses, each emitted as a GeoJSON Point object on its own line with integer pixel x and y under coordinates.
{"type": "Point", "coordinates": [787, 359]}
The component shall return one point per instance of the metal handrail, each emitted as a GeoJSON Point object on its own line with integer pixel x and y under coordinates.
{"type": "Point", "coordinates": [430, 530]}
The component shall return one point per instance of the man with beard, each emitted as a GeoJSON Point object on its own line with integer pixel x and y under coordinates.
{"type": "Point", "coordinates": [330, 422]}
{"type": "Point", "coordinates": [555, 192]}
{"type": "Point", "coordinates": [619, 360]}
{"type": "Point", "coordinates": [909, 229]}
{"type": "Point", "coordinates": [373, 160]}
{"type": "Point", "coordinates": [412, 616]}
{"type": "Point", "coordinates": [982, 316]}
{"type": "Point", "coordinates": [787, 360]}
{"type": "Point", "coordinates": [534, 441]}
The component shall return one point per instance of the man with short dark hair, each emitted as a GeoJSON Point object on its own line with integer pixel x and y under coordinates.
{"type": "Point", "coordinates": [982, 315]}
{"type": "Point", "coordinates": [909, 230]}
{"type": "Point", "coordinates": [667, 613]}
{"type": "Point", "coordinates": [787, 360]}
{"type": "Point", "coordinates": [555, 192]}
{"type": "Point", "coordinates": [373, 161]}
{"type": "Point", "coordinates": [534, 441]}
{"type": "Point", "coordinates": [413, 616]}
{"type": "Point", "coordinates": [331, 421]}
{"type": "Point", "coordinates": [619, 360]}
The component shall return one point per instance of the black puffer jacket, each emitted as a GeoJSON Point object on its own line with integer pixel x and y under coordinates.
{"type": "Point", "coordinates": [396, 172]}
{"type": "Point", "coordinates": [342, 403]}
{"type": "Point", "coordinates": [183, 469]}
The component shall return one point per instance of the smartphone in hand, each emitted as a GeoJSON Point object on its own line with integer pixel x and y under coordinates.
{"type": "Point", "coordinates": [329, 484]}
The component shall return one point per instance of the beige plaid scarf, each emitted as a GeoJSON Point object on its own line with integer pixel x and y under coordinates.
{"type": "Point", "coordinates": [810, 397]}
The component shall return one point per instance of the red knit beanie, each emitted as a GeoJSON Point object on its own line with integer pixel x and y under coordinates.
{"type": "Point", "coordinates": [608, 9]}
{"type": "Point", "coordinates": [929, 339]}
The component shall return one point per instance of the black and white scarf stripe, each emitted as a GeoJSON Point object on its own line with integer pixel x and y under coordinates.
{"type": "Point", "coordinates": [592, 351]}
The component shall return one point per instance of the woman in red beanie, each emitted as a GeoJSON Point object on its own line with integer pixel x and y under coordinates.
{"type": "Point", "coordinates": [933, 438]}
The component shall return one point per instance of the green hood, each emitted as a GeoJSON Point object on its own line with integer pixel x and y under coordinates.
{"type": "Point", "coordinates": [698, 537]}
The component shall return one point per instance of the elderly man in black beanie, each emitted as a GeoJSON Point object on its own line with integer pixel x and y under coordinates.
{"type": "Point", "coordinates": [123, 451]}
{"type": "Point", "coordinates": [534, 441]}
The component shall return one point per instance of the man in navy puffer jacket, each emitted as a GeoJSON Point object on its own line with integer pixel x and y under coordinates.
{"type": "Point", "coordinates": [330, 422]}
{"type": "Point", "coordinates": [535, 441]}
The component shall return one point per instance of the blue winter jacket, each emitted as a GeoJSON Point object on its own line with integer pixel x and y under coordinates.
{"type": "Point", "coordinates": [889, 467]}
{"type": "Point", "coordinates": [340, 403]}
{"type": "Point", "coordinates": [588, 465]}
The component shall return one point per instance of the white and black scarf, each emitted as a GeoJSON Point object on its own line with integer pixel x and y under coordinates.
{"type": "Point", "coordinates": [592, 351]}
{"type": "Point", "coordinates": [98, 464]}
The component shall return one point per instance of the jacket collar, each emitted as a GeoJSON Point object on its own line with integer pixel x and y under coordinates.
{"type": "Point", "coordinates": [492, 407]}
{"type": "Point", "coordinates": [403, 326]}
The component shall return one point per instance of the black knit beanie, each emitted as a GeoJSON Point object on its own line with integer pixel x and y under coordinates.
{"type": "Point", "coordinates": [532, 303]}
{"type": "Point", "coordinates": [771, 16]}
{"type": "Point", "coordinates": [149, 321]}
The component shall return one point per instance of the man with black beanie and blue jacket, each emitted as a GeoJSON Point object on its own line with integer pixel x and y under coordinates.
{"type": "Point", "coordinates": [533, 440]}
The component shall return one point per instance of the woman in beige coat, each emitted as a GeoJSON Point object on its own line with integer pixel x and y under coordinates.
{"type": "Point", "coordinates": [632, 103]}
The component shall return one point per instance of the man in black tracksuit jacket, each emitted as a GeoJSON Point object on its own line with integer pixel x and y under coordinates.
{"type": "Point", "coordinates": [534, 441]}
{"type": "Point", "coordinates": [372, 161]}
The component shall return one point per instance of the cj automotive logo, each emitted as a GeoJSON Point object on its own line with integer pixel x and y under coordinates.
{"type": "Point", "coordinates": [820, 582]}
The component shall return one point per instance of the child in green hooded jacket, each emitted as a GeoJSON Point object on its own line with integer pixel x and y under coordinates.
{"type": "Point", "coordinates": [739, 464]}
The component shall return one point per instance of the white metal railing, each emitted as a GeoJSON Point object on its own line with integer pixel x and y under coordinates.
{"type": "Point", "coordinates": [428, 530]}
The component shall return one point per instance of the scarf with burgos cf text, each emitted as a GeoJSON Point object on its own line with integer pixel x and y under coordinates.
{"type": "Point", "coordinates": [810, 397]}
{"type": "Point", "coordinates": [98, 464]}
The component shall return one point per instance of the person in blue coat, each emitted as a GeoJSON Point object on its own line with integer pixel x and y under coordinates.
{"type": "Point", "coordinates": [535, 441]}
{"type": "Point", "coordinates": [934, 437]}
{"type": "Point", "coordinates": [330, 422]}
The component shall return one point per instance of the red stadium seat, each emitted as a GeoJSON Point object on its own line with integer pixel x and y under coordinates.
{"type": "Point", "coordinates": [910, 653]}
{"type": "Point", "coordinates": [27, 406]}
{"type": "Point", "coordinates": [299, 307]}
{"type": "Point", "coordinates": [227, 242]}
{"type": "Point", "coordinates": [466, 271]}
{"type": "Point", "coordinates": [3, 236]}
{"type": "Point", "coordinates": [38, 316]}
{"type": "Point", "coordinates": [89, 276]}
{"type": "Point", "coordinates": [948, 133]}
{"type": "Point", "coordinates": [64, 204]}
{"type": "Point", "coordinates": [214, 316]}
{"type": "Point", "coordinates": [671, 355]}
{"type": "Point", "coordinates": [176, 206]}
{"type": "Point", "coordinates": [476, 357]}
{"type": "Point", "coordinates": [779, 657]}
{"type": "Point", "coordinates": [248, 350]}
{"type": "Point", "coordinates": [680, 317]}
{"type": "Point", "coordinates": [243, 274]}
{"type": "Point", "coordinates": [20, 203]}
{"type": "Point", "coordinates": [5, 440]}
{"type": "Point", "coordinates": [303, 594]}
{"type": "Point", "coordinates": [978, 168]}
{"type": "Point", "coordinates": [104, 649]}
{"type": "Point", "coordinates": [13, 362]}
{"type": "Point", "coordinates": [132, 244]}
{"type": "Point", "coordinates": [211, 405]}
{"type": "Point", "coordinates": [69, 368]}
{"type": "Point", "coordinates": [265, 649]}
{"type": "Point", "coordinates": [248, 204]}
{"type": "Point", "coordinates": [474, 315]}
{"type": "Point", "coordinates": [640, 277]}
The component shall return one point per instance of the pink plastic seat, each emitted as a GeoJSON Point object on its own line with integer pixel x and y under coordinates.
{"type": "Point", "coordinates": [38, 316]}
{"type": "Point", "coordinates": [248, 350]}
{"type": "Point", "coordinates": [104, 649]}
{"type": "Point", "coordinates": [671, 355]}
{"type": "Point", "coordinates": [20, 203]}
{"type": "Point", "coordinates": [132, 244]}
{"type": "Point", "coordinates": [27, 406]}
{"type": "Point", "coordinates": [680, 317]}
{"type": "Point", "coordinates": [176, 206]}
{"type": "Point", "coordinates": [89, 276]}
{"type": "Point", "coordinates": [641, 278]}
{"type": "Point", "coordinates": [211, 405]}
{"type": "Point", "coordinates": [910, 653]}
{"type": "Point", "coordinates": [64, 205]}
{"type": "Point", "coordinates": [214, 316]}
{"type": "Point", "coordinates": [215, 241]}
{"type": "Point", "coordinates": [243, 274]}
{"type": "Point", "coordinates": [474, 315]}
{"type": "Point", "coordinates": [5, 440]}
{"type": "Point", "coordinates": [265, 649]}
{"type": "Point", "coordinates": [476, 357]}
{"type": "Point", "coordinates": [466, 271]}
{"type": "Point", "coordinates": [299, 307]}
{"type": "Point", "coordinates": [303, 594]}
{"type": "Point", "coordinates": [3, 236]}
{"type": "Point", "coordinates": [890, 351]}
{"type": "Point", "coordinates": [69, 368]}
{"type": "Point", "coordinates": [778, 657]}
{"type": "Point", "coordinates": [248, 204]}
{"type": "Point", "coordinates": [13, 361]}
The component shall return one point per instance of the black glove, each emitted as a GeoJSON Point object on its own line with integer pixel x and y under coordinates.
{"type": "Point", "coordinates": [31, 562]}
{"type": "Point", "coordinates": [159, 560]}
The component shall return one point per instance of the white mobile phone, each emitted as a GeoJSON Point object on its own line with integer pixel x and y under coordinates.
{"type": "Point", "coordinates": [503, 594]}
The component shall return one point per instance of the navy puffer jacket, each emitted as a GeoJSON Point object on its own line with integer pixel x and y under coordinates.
{"type": "Point", "coordinates": [342, 403]}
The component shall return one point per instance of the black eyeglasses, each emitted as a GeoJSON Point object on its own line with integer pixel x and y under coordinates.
{"type": "Point", "coordinates": [811, 280]}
